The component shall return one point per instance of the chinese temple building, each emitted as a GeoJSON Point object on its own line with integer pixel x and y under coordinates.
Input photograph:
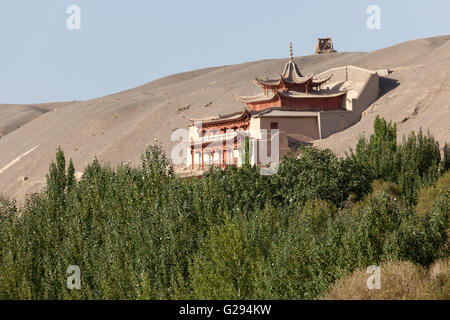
{"type": "Point", "coordinates": [294, 91]}
{"type": "Point", "coordinates": [296, 108]}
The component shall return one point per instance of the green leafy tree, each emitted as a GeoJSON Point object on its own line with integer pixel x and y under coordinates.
{"type": "Point", "coordinates": [379, 152]}
{"type": "Point", "coordinates": [445, 165]}
{"type": "Point", "coordinates": [70, 176]}
{"type": "Point", "coordinates": [228, 267]}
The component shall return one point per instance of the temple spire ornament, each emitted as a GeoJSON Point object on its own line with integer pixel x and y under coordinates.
{"type": "Point", "coordinates": [291, 54]}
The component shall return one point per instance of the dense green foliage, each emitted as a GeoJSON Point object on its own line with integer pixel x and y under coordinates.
{"type": "Point", "coordinates": [412, 164]}
{"type": "Point", "coordinates": [140, 233]}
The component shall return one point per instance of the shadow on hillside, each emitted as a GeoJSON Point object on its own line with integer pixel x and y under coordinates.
{"type": "Point", "coordinates": [387, 84]}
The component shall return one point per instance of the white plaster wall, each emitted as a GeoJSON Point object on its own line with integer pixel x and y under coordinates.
{"type": "Point", "coordinates": [254, 128]}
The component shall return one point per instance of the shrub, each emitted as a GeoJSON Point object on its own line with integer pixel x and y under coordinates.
{"type": "Point", "coordinates": [399, 280]}
{"type": "Point", "coordinates": [428, 195]}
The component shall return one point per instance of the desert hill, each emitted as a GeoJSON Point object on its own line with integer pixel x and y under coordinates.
{"type": "Point", "coordinates": [14, 116]}
{"type": "Point", "coordinates": [116, 128]}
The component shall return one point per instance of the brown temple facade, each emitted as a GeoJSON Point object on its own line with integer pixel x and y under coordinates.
{"type": "Point", "coordinates": [219, 139]}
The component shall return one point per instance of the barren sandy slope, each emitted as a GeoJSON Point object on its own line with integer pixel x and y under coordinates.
{"type": "Point", "coordinates": [14, 116]}
{"type": "Point", "coordinates": [419, 93]}
{"type": "Point", "coordinates": [117, 128]}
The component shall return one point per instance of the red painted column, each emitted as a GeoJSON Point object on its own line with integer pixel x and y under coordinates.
{"type": "Point", "coordinates": [224, 155]}
{"type": "Point", "coordinates": [192, 155]}
{"type": "Point", "coordinates": [202, 158]}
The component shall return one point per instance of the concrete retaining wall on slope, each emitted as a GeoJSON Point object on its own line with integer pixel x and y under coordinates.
{"type": "Point", "coordinates": [331, 122]}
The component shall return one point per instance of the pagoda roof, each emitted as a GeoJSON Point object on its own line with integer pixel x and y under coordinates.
{"type": "Point", "coordinates": [234, 115]}
{"type": "Point", "coordinates": [291, 72]}
{"type": "Point", "coordinates": [282, 79]}
{"type": "Point", "coordinates": [237, 116]}
{"type": "Point", "coordinates": [314, 94]}
{"type": "Point", "coordinates": [276, 112]}
{"type": "Point", "coordinates": [319, 80]}
{"type": "Point", "coordinates": [291, 75]}
{"type": "Point", "coordinates": [257, 98]}
{"type": "Point", "coordinates": [290, 94]}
